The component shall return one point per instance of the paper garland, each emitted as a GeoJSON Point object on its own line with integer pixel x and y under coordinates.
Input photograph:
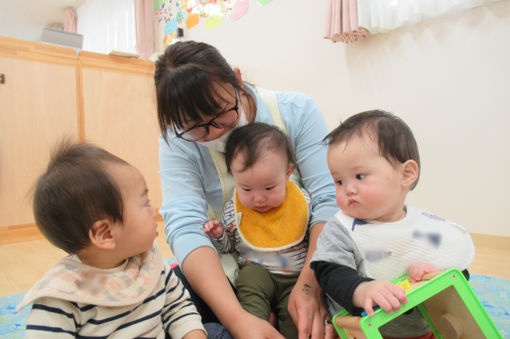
{"type": "Point", "coordinates": [173, 14]}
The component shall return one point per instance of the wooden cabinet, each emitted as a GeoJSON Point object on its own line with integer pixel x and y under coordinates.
{"type": "Point", "coordinates": [37, 107]}
{"type": "Point", "coordinates": [51, 93]}
{"type": "Point", "coordinates": [119, 108]}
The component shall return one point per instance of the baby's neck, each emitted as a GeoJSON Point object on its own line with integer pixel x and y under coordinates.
{"type": "Point", "coordinates": [98, 258]}
{"type": "Point", "coordinates": [396, 216]}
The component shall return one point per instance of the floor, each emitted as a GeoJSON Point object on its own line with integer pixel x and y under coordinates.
{"type": "Point", "coordinates": [25, 259]}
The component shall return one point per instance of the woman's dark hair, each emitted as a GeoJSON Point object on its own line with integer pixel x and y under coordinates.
{"type": "Point", "coordinates": [393, 136]}
{"type": "Point", "coordinates": [252, 140]}
{"type": "Point", "coordinates": [188, 78]}
{"type": "Point", "coordinates": [74, 192]}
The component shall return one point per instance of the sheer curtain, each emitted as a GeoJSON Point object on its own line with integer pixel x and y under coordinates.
{"type": "Point", "coordinates": [144, 18]}
{"type": "Point", "coordinates": [352, 20]}
{"type": "Point", "coordinates": [107, 25]}
{"type": "Point", "coordinates": [382, 16]}
{"type": "Point", "coordinates": [69, 20]}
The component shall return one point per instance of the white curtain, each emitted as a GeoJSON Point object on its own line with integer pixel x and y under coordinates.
{"type": "Point", "coordinates": [352, 20]}
{"type": "Point", "coordinates": [107, 25]}
{"type": "Point", "coordinates": [144, 18]}
{"type": "Point", "coordinates": [383, 15]}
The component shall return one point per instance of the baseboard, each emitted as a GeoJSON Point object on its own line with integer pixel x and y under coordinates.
{"type": "Point", "coordinates": [27, 232]}
{"type": "Point", "coordinates": [492, 241]}
{"type": "Point", "coordinates": [19, 233]}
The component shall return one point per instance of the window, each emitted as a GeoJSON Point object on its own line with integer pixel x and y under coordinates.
{"type": "Point", "coordinates": [107, 25]}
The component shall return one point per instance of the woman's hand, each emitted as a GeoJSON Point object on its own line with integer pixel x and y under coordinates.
{"type": "Point", "coordinates": [195, 334]}
{"type": "Point", "coordinates": [308, 311]}
{"type": "Point", "coordinates": [250, 327]}
{"type": "Point", "coordinates": [204, 272]}
{"type": "Point", "coordinates": [306, 304]}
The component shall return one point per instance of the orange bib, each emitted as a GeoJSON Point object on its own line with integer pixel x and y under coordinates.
{"type": "Point", "coordinates": [277, 229]}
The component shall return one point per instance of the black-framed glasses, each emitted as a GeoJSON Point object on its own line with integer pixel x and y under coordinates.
{"type": "Point", "coordinates": [220, 120]}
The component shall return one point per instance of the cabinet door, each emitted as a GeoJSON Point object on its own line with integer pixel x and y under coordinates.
{"type": "Point", "coordinates": [37, 108]}
{"type": "Point", "coordinates": [120, 112]}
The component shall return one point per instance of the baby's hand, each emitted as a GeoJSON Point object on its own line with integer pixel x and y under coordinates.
{"type": "Point", "coordinates": [419, 270]}
{"type": "Point", "coordinates": [213, 228]}
{"type": "Point", "coordinates": [381, 293]}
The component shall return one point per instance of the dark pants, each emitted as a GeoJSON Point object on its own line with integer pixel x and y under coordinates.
{"type": "Point", "coordinates": [261, 292]}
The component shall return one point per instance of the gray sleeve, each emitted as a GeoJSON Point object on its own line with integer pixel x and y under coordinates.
{"type": "Point", "coordinates": [222, 244]}
{"type": "Point", "coordinates": [335, 245]}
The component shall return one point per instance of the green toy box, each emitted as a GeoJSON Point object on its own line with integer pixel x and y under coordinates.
{"type": "Point", "coordinates": [447, 302]}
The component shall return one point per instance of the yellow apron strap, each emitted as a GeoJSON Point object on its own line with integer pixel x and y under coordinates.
{"type": "Point", "coordinates": [228, 262]}
{"type": "Point", "coordinates": [269, 98]}
{"type": "Point", "coordinates": [227, 183]}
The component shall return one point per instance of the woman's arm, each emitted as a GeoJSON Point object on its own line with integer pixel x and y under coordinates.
{"type": "Point", "coordinates": [306, 303]}
{"type": "Point", "coordinates": [184, 179]}
{"type": "Point", "coordinates": [204, 272]}
{"type": "Point", "coordinates": [306, 128]}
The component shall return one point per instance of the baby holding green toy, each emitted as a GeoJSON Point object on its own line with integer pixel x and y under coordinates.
{"type": "Point", "coordinates": [375, 238]}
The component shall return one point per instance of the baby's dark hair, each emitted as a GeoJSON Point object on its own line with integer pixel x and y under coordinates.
{"type": "Point", "coordinates": [253, 139]}
{"type": "Point", "coordinates": [75, 191]}
{"type": "Point", "coordinates": [393, 136]}
{"type": "Point", "coordinates": [188, 79]}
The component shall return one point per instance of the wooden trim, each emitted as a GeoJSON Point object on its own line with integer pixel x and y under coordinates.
{"type": "Point", "coordinates": [491, 241]}
{"type": "Point", "coordinates": [19, 233]}
{"type": "Point", "coordinates": [28, 232]}
{"type": "Point", "coordinates": [36, 51]}
{"type": "Point", "coordinates": [116, 63]}
{"type": "Point", "coordinates": [80, 107]}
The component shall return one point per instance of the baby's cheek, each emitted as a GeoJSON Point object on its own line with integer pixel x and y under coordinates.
{"type": "Point", "coordinates": [340, 201]}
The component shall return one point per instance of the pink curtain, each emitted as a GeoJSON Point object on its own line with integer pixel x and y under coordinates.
{"type": "Point", "coordinates": [144, 28]}
{"type": "Point", "coordinates": [342, 22]}
{"type": "Point", "coordinates": [69, 20]}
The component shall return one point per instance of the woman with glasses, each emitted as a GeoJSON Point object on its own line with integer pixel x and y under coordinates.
{"type": "Point", "coordinates": [200, 99]}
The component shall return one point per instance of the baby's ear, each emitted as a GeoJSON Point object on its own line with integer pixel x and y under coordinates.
{"type": "Point", "coordinates": [102, 234]}
{"type": "Point", "coordinates": [290, 170]}
{"type": "Point", "coordinates": [239, 77]}
{"type": "Point", "coordinates": [410, 171]}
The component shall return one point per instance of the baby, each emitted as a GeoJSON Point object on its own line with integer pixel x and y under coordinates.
{"type": "Point", "coordinates": [375, 237]}
{"type": "Point", "coordinates": [114, 283]}
{"type": "Point", "coordinates": [265, 223]}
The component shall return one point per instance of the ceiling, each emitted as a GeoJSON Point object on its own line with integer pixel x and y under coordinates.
{"type": "Point", "coordinates": [24, 19]}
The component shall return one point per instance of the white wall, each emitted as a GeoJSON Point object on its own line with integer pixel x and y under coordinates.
{"type": "Point", "coordinates": [25, 19]}
{"type": "Point", "coordinates": [447, 77]}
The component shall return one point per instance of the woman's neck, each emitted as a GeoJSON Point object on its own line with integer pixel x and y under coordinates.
{"type": "Point", "coordinates": [249, 106]}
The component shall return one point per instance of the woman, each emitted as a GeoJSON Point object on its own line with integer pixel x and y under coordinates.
{"type": "Point", "coordinates": [200, 100]}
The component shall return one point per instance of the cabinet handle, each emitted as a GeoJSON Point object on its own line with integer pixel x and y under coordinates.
{"type": "Point", "coordinates": [2, 78]}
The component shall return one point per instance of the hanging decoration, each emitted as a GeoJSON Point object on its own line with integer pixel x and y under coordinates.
{"type": "Point", "coordinates": [172, 16]}
{"type": "Point", "coordinates": [239, 9]}
{"type": "Point", "coordinates": [169, 15]}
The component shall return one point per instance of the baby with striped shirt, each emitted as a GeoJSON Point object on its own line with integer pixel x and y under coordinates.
{"type": "Point", "coordinates": [114, 283]}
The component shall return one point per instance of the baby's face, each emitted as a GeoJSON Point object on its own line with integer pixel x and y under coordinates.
{"type": "Point", "coordinates": [262, 186]}
{"type": "Point", "coordinates": [138, 230]}
{"type": "Point", "coordinates": [367, 185]}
